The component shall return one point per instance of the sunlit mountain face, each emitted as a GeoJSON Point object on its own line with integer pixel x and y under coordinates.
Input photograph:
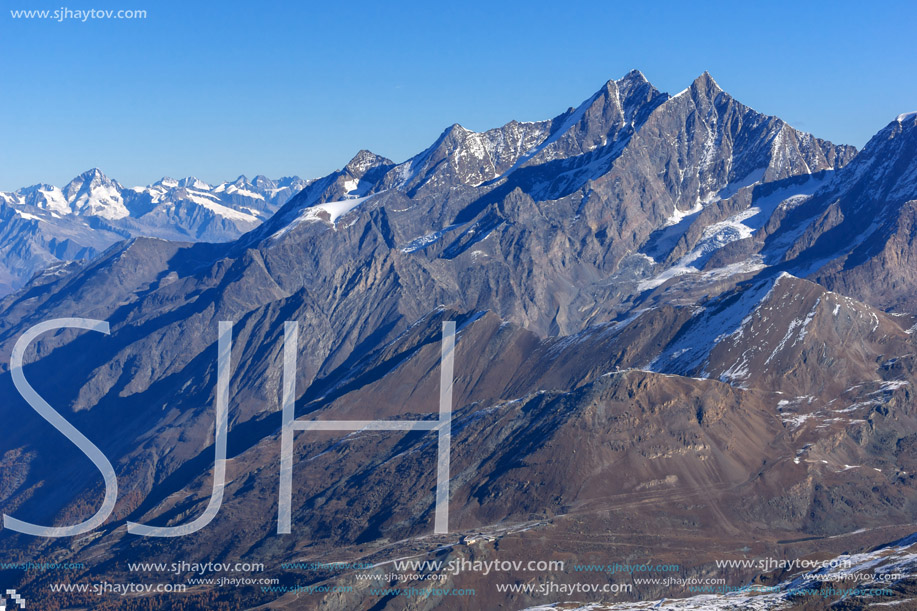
{"type": "Point", "coordinates": [655, 331]}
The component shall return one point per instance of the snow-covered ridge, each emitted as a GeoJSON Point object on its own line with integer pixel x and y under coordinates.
{"type": "Point", "coordinates": [329, 212]}
{"type": "Point", "coordinates": [46, 224]}
{"type": "Point", "coordinates": [93, 194]}
{"type": "Point", "coordinates": [739, 226]}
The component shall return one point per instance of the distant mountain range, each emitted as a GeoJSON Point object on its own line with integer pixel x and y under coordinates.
{"type": "Point", "coordinates": [685, 332]}
{"type": "Point", "coordinates": [44, 225]}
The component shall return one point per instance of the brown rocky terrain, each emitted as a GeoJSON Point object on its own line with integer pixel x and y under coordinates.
{"type": "Point", "coordinates": [672, 349]}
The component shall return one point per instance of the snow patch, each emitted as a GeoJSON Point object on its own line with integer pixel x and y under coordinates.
{"type": "Point", "coordinates": [425, 240]}
{"type": "Point", "coordinates": [334, 210]}
{"type": "Point", "coordinates": [678, 216]}
{"type": "Point", "coordinates": [29, 217]}
{"type": "Point", "coordinates": [221, 210]}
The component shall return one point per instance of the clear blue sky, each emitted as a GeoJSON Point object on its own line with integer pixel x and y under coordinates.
{"type": "Point", "coordinates": [282, 88]}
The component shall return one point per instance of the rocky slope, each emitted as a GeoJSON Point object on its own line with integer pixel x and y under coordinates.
{"type": "Point", "coordinates": [647, 357]}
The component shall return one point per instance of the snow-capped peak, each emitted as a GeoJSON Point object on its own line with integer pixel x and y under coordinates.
{"type": "Point", "coordinates": [193, 183]}
{"type": "Point", "coordinates": [363, 161]}
{"type": "Point", "coordinates": [634, 76]}
{"type": "Point", "coordinates": [92, 193]}
{"type": "Point", "coordinates": [165, 181]}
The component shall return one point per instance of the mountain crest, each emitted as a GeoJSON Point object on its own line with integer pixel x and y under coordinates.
{"type": "Point", "coordinates": [704, 86]}
{"type": "Point", "coordinates": [93, 176]}
{"type": "Point", "coordinates": [363, 162]}
{"type": "Point", "coordinates": [633, 76]}
{"type": "Point", "coordinates": [192, 182]}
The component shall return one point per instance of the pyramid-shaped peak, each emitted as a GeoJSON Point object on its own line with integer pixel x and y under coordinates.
{"type": "Point", "coordinates": [89, 179]}
{"type": "Point", "coordinates": [634, 76]}
{"type": "Point", "coordinates": [93, 174]}
{"type": "Point", "coordinates": [705, 84]}
{"type": "Point", "coordinates": [263, 182]}
{"type": "Point", "coordinates": [363, 161]}
{"type": "Point", "coordinates": [632, 82]}
{"type": "Point", "coordinates": [193, 182]}
{"type": "Point", "coordinates": [456, 129]}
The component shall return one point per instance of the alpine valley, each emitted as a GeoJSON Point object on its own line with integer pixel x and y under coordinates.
{"type": "Point", "coordinates": [685, 334]}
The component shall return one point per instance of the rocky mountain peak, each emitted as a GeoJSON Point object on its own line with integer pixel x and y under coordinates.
{"type": "Point", "coordinates": [192, 182]}
{"type": "Point", "coordinates": [166, 182]}
{"type": "Point", "coordinates": [263, 182]}
{"type": "Point", "coordinates": [705, 87]}
{"type": "Point", "coordinates": [364, 161]}
{"type": "Point", "coordinates": [93, 211]}
{"type": "Point", "coordinates": [89, 179]}
{"type": "Point", "coordinates": [634, 76]}
{"type": "Point", "coordinates": [626, 340]}
{"type": "Point", "coordinates": [886, 168]}
{"type": "Point", "coordinates": [907, 118]}
{"type": "Point", "coordinates": [93, 174]}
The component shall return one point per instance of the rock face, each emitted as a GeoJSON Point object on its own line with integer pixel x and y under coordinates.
{"type": "Point", "coordinates": [670, 320]}
{"type": "Point", "coordinates": [44, 226]}
{"type": "Point", "coordinates": [863, 227]}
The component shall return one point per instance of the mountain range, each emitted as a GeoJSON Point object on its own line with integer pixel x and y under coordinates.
{"type": "Point", "coordinates": [42, 226]}
{"type": "Point", "coordinates": [685, 332]}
